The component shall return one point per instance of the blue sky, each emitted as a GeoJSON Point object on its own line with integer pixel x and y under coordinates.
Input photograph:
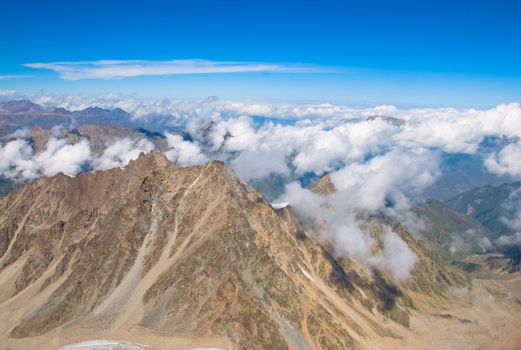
{"type": "Point", "coordinates": [417, 53]}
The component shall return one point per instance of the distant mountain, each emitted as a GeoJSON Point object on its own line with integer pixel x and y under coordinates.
{"type": "Point", "coordinates": [99, 136]}
{"type": "Point", "coordinates": [497, 208]}
{"type": "Point", "coordinates": [488, 205]}
{"type": "Point", "coordinates": [100, 115]}
{"type": "Point", "coordinates": [192, 253]}
{"type": "Point", "coordinates": [391, 120]}
{"type": "Point", "coordinates": [19, 107]}
{"type": "Point", "coordinates": [464, 172]}
{"type": "Point", "coordinates": [448, 233]}
{"type": "Point", "coordinates": [23, 113]}
{"type": "Point", "coordinates": [451, 234]}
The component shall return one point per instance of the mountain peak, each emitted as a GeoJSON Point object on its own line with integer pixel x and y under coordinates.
{"type": "Point", "coordinates": [20, 106]}
{"type": "Point", "coordinates": [96, 109]}
{"type": "Point", "coordinates": [151, 159]}
{"type": "Point", "coordinates": [323, 186]}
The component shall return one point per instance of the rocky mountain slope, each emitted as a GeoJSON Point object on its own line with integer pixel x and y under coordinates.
{"type": "Point", "coordinates": [100, 136]}
{"type": "Point", "coordinates": [190, 253]}
{"type": "Point", "coordinates": [488, 205]}
{"type": "Point", "coordinates": [451, 234]}
{"type": "Point", "coordinates": [498, 208]}
{"type": "Point", "coordinates": [324, 186]}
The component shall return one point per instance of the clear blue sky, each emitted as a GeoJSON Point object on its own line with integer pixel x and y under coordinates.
{"type": "Point", "coordinates": [402, 52]}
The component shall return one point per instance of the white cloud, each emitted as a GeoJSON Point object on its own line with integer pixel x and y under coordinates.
{"type": "Point", "coordinates": [392, 178]}
{"type": "Point", "coordinates": [120, 152]}
{"type": "Point", "coordinates": [19, 162]}
{"type": "Point", "coordinates": [16, 160]}
{"type": "Point", "coordinates": [110, 69]}
{"type": "Point", "coordinates": [512, 240]}
{"type": "Point", "coordinates": [14, 76]}
{"type": "Point", "coordinates": [345, 128]}
{"type": "Point", "coordinates": [7, 93]}
{"type": "Point", "coordinates": [320, 137]}
{"type": "Point", "coordinates": [255, 164]}
{"type": "Point", "coordinates": [398, 258]}
{"type": "Point", "coordinates": [183, 153]}
{"type": "Point", "coordinates": [386, 183]}
{"type": "Point", "coordinates": [242, 134]}
{"type": "Point", "coordinates": [62, 157]}
{"type": "Point", "coordinates": [507, 161]}
{"type": "Point", "coordinates": [336, 219]}
{"type": "Point", "coordinates": [512, 205]}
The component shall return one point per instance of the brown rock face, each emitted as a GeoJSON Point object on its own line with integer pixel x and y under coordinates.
{"type": "Point", "coordinates": [191, 252]}
{"type": "Point", "coordinates": [324, 186]}
{"type": "Point", "coordinates": [429, 277]}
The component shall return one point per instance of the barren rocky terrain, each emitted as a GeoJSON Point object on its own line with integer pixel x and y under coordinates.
{"type": "Point", "coordinates": [173, 258]}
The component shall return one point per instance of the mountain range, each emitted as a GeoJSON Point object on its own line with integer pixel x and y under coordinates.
{"type": "Point", "coordinates": [490, 206]}
{"type": "Point", "coordinates": [193, 252]}
{"type": "Point", "coordinates": [157, 255]}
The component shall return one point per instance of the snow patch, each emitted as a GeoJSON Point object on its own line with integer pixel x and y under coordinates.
{"type": "Point", "coordinates": [278, 206]}
{"type": "Point", "coordinates": [193, 183]}
{"type": "Point", "coordinates": [102, 344]}
{"type": "Point", "coordinates": [307, 275]}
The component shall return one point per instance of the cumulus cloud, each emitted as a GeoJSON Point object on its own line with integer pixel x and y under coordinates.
{"type": "Point", "coordinates": [17, 160]}
{"type": "Point", "coordinates": [20, 162]}
{"type": "Point", "coordinates": [110, 69]}
{"type": "Point", "coordinates": [512, 240]}
{"type": "Point", "coordinates": [7, 93]}
{"type": "Point", "coordinates": [335, 219]}
{"type": "Point", "coordinates": [447, 129]}
{"type": "Point", "coordinates": [397, 256]}
{"type": "Point", "coordinates": [62, 157]}
{"type": "Point", "coordinates": [258, 163]}
{"type": "Point", "coordinates": [391, 179]}
{"type": "Point", "coordinates": [513, 216]}
{"type": "Point", "coordinates": [388, 184]}
{"type": "Point", "coordinates": [183, 153]}
{"type": "Point", "coordinates": [120, 152]}
{"type": "Point", "coordinates": [507, 161]}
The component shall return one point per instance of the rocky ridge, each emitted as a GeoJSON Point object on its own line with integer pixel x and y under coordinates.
{"type": "Point", "coordinates": [191, 252]}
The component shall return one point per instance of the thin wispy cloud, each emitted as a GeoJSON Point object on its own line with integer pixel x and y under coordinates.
{"type": "Point", "coordinates": [7, 93]}
{"type": "Point", "coordinates": [113, 69]}
{"type": "Point", "coordinates": [14, 76]}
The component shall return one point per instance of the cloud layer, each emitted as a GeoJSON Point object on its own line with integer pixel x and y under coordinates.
{"type": "Point", "coordinates": [384, 184]}
{"type": "Point", "coordinates": [18, 161]}
{"type": "Point", "coordinates": [381, 159]}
